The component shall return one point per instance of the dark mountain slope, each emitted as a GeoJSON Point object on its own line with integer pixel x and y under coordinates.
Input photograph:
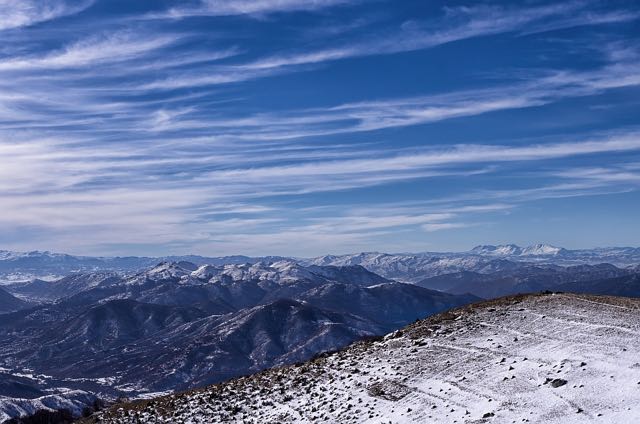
{"type": "Point", "coordinates": [528, 279]}
{"type": "Point", "coordinates": [10, 303]}
{"type": "Point", "coordinates": [21, 387]}
{"type": "Point", "coordinates": [628, 286]}
{"type": "Point", "coordinates": [217, 348]}
{"type": "Point", "coordinates": [54, 339]}
{"type": "Point", "coordinates": [391, 305]}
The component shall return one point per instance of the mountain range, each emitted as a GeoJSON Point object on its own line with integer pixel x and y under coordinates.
{"type": "Point", "coordinates": [178, 325]}
{"type": "Point", "coordinates": [410, 267]}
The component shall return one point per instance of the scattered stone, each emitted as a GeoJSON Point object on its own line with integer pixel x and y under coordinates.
{"type": "Point", "coordinates": [389, 390]}
{"type": "Point", "coordinates": [558, 382]}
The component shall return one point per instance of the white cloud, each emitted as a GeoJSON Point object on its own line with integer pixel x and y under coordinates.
{"type": "Point", "coordinates": [21, 13]}
{"type": "Point", "coordinates": [251, 7]}
{"type": "Point", "coordinates": [96, 50]}
{"type": "Point", "coordinates": [401, 112]}
{"type": "Point", "coordinates": [457, 24]}
{"type": "Point", "coordinates": [443, 226]}
{"type": "Point", "coordinates": [418, 161]}
{"type": "Point", "coordinates": [43, 186]}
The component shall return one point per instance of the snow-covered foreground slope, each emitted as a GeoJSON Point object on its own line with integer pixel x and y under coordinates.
{"type": "Point", "coordinates": [553, 358]}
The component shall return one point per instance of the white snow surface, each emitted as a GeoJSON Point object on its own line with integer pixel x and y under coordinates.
{"type": "Point", "coordinates": [541, 250]}
{"type": "Point", "coordinates": [552, 358]}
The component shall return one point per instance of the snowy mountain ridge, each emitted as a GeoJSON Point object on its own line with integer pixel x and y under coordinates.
{"type": "Point", "coordinates": [410, 267]}
{"type": "Point", "coordinates": [281, 272]}
{"type": "Point", "coordinates": [515, 250]}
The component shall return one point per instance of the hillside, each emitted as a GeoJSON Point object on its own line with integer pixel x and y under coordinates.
{"type": "Point", "coordinates": [552, 358]}
{"type": "Point", "coordinates": [628, 286]}
{"type": "Point", "coordinates": [531, 279]}
{"type": "Point", "coordinates": [10, 303]}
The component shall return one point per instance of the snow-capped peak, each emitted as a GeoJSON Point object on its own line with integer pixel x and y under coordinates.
{"type": "Point", "coordinates": [206, 272]}
{"type": "Point", "coordinates": [515, 250]}
{"type": "Point", "coordinates": [168, 270]}
{"type": "Point", "coordinates": [541, 250]}
{"type": "Point", "coordinates": [500, 250]}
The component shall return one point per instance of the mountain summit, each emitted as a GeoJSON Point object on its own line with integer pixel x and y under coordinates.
{"type": "Point", "coordinates": [515, 250]}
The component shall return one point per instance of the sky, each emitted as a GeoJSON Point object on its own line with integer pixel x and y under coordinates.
{"type": "Point", "coordinates": [307, 127]}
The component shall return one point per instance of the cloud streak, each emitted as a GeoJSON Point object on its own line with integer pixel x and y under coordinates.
{"type": "Point", "coordinates": [22, 13]}
{"type": "Point", "coordinates": [250, 7]}
{"type": "Point", "coordinates": [112, 48]}
{"type": "Point", "coordinates": [458, 24]}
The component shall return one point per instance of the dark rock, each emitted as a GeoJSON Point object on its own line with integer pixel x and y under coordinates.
{"type": "Point", "coordinates": [558, 382]}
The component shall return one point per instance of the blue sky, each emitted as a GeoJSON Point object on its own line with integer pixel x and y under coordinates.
{"type": "Point", "coordinates": [304, 127]}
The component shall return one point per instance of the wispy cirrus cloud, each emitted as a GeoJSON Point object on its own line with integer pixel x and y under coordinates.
{"type": "Point", "coordinates": [345, 174]}
{"type": "Point", "coordinates": [536, 90]}
{"type": "Point", "coordinates": [124, 47]}
{"type": "Point", "coordinates": [458, 24]}
{"type": "Point", "coordinates": [21, 13]}
{"type": "Point", "coordinates": [111, 48]}
{"type": "Point", "coordinates": [241, 177]}
{"type": "Point", "coordinates": [443, 226]}
{"type": "Point", "coordinates": [250, 7]}
{"type": "Point", "coordinates": [623, 173]}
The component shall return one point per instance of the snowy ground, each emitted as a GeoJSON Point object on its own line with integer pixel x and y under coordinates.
{"type": "Point", "coordinates": [540, 359]}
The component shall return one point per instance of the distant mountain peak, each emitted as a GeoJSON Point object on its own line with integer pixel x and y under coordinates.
{"type": "Point", "coordinates": [542, 250]}
{"type": "Point", "coordinates": [539, 249]}
{"type": "Point", "coordinates": [168, 270]}
{"type": "Point", "coordinates": [502, 250]}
